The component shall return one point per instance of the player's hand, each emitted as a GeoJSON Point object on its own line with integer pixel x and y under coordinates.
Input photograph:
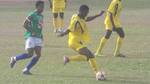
{"type": "Point", "coordinates": [33, 34]}
{"type": "Point", "coordinates": [60, 34]}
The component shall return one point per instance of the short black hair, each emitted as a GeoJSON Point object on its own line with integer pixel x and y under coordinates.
{"type": "Point", "coordinates": [83, 7]}
{"type": "Point", "coordinates": [39, 2]}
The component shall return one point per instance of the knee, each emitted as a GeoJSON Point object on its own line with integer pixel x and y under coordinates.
{"type": "Point", "coordinates": [120, 32]}
{"type": "Point", "coordinates": [55, 15]}
{"type": "Point", "coordinates": [30, 55]}
{"type": "Point", "coordinates": [107, 37]}
{"type": "Point", "coordinates": [61, 15]}
{"type": "Point", "coordinates": [90, 55]}
{"type": "Point", "coordinates": [38, 56]}
{"type": "Point", "coordinates": [108, 34]}
{"type": "Point", "coordinates": [122, 35]}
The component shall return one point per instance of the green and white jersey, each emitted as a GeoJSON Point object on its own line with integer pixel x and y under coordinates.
{"type": "Point", "coordinates": [36, 21]}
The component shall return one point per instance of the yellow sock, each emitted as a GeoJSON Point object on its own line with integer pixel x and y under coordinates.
{"type": "Point", "coordinates": [102, 43]}
{"type": "Point", "coordinates": [62, 24]}
{"type": "Point", "coordinates": [55, 23]}
{"type": "Point", "coordinates": [93, 64]}
{"type": "Point", "coordinates": [78, 58]}
{"type": "Point", "coordinates": [118, 46]}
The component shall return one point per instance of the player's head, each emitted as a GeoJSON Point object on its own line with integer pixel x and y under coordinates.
{"type": "Point", "coordinates": [39, 6]}
{"type": "Point", "coordinates": [83, 10]}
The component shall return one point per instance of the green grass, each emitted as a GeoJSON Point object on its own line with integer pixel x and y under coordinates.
{"type": "Point", "coordinates": [134, 69]}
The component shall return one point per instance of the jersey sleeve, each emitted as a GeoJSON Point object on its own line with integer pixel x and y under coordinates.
{"type": "Point", "coordinates": [30, 17]}
{"type": "Point", "coordinates": [72, 25]}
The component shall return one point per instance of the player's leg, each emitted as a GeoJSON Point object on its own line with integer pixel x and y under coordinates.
{"type": "Point", "coordinates": [55, 22]}
{"type": "Point", "coordinates": [61, 20]}
{"type": "Point", "coordinates": [102, 42]}
{"type": "Point", "coordinates": [90, 57]}
{"type": "Point", "coordinates": [37, 48]}
{"type": "Point", "coordinates": [35, 58]}
{"type": "Point", "coordinates": [87, 55]}
{"type": "Point", "coordinates": [75, 46]}
{"type": "Point", "coordinates": [121, 34]}
{"type": "Point", "coordinates": [29, 47]}
{"type": "Point", "coordinates": [33, 61]}
{"type": "Point", "coordinates": [74, 58]}
{"type": "Point", "coordinates": [23, 56]}
{"type": "Point", "coordinates": [92, 61]}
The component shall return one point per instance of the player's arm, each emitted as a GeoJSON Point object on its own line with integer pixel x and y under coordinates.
{"type": "Point", "coordinates": [112, 15]}
{"type": "Point", "coordinates": [90, 18]}
{"type": "Point", "coordinates": [112, 19]}
{"type": "Point", "coordinates": [27, 24]}
{"type": "Point", "coordinates": [66, 32]}
{"type": "Point", "coordinates": [116, 9]}
{"type": "Point", "coordinates": [50, 3]}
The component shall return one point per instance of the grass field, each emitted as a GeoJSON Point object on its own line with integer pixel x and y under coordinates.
{"type": "Point", "coordinates": [134, 69]}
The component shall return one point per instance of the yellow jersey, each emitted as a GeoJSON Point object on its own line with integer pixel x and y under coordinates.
{"type": "Point", "coordinates": [116, 13]}
{"type": "Point", "coordinates": [79, 33]}
{"type": "Point", "coordinates": [58, 3]}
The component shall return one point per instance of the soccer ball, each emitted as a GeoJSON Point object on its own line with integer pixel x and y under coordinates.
{"type": "Point", "coordinates": [100, 75]}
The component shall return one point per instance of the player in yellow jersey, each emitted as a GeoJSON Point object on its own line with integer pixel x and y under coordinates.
{"type": "Point", "coordinates": [57, 7]}
{"type": "Point", "coordinates": [78, 39]}
{"type": "Point", "coordinates": [113, 23]}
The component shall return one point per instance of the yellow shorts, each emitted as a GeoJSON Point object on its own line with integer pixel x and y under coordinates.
{"type": "Point", "coordinates": [58, 10]}
{"type": "Point", "coordinates": [109, 27]}
{"type": "Point", "coordinates": [76, 45]}
{"type": "Point", "coordinates": [108, 24]}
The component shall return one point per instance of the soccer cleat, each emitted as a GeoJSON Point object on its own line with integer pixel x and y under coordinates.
{"type": "Point", "coordinates": [66, 60]}
{"type": "Point", "coordinates": [12, 62]}
{"type": "Point", "coordinates": [100, 76]}
{"type": "Point", "coordinates": [26, 72]}
{"type": "Point", "coordinates": [99, 55]}
{"type": "Point", "coordinates": [119, 55]}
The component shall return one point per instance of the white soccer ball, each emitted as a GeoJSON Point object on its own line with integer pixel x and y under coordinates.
{"type": "Point", "coordinates": [100, 75]}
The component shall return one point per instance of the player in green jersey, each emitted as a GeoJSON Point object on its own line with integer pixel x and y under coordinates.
{"type": "Point", "coordinates": [34, 38]}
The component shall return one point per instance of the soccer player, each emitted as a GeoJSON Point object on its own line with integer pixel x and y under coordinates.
{"type": "Point", "coordinates": [113, 23]}
{"type": "Point", "coordinates": [79, 37]}
{"type": "Point", "coordinates": [34, 38]}
{"type": "Point", "coordinates": [58, 7]}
